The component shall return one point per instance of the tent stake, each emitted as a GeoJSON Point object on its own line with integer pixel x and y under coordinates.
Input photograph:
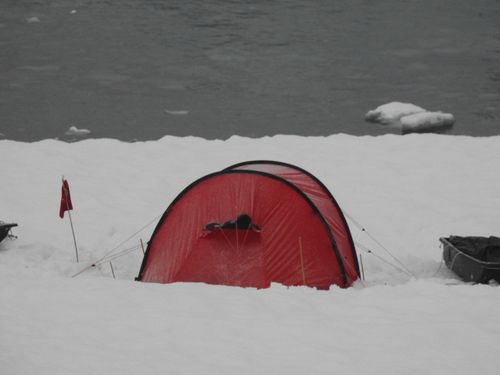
{"type": "Point", "coordinates": [112, 270]}
{"type": "Point", "coordinates": [142, 247]}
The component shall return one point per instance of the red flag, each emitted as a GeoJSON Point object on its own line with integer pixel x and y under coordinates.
{"type": "Point", "coordinates": [66, 204]}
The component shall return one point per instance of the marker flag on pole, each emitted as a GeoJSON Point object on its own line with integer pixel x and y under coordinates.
{"type": "Point", "coordinates": [66, 204]}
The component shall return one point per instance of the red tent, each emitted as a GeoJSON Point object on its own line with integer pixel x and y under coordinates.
{"type": "Point", "coordinates": [252, 224]}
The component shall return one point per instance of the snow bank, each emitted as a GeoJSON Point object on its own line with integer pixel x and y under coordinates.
{"type": "Point", "coordinates": [406, 191]}
{"type": "Point", "coordinates": [90, 326]}
{"type": "Point", "coordinates": [410, 118]}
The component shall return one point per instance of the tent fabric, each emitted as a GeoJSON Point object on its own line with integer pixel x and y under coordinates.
{"type": "Point", "coordinates": [317, 192]}
{"type": "Point", "coordinates": [302, 238]}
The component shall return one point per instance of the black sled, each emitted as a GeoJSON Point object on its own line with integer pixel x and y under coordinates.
{"type": "Point", "coordinates": [474, 259]}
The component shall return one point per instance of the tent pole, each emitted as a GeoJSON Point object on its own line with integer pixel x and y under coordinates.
{"type": "Point", "coordinates": [302, 261]}
{"type": "Point", "coordinates": [362, 267]}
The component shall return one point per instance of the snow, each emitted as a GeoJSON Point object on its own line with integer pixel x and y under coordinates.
{"type": "Point", "coordinates": [410, 118]}
{"type": "Point", "coordinates": [406, 191]}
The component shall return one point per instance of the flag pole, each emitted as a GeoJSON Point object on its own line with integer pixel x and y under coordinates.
{"type": "Point", "coordinates": [74, 238]}
{"type": "Point", "coordinates": [70, 220]}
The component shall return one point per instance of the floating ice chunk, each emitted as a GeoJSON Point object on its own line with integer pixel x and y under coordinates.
{"type": "Point", "coordinates": [72, 11]}
{"type": "Point", "coordinates": [2, 135]}
{"type": "Point", "coordinates": [181, 112]}
{"type": "Point", "coordinates": [33, 19]}
{"type": "Point", "coordinates": [391, 113]}
{"type": "Point", "coordinates": [73, 130]}
{"type": "Point", "coordinates": [426, 121]}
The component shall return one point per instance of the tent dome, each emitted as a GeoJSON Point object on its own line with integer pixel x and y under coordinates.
{"type": "Point", "coordinates": [252, 224]}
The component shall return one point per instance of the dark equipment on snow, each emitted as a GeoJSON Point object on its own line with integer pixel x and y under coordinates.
{"type": "Point", "coordinates": [242, 222]}
{"type": "Point", "coordinates": [475, 259]}
{"type": "Point", "coordinates": [5, 229]}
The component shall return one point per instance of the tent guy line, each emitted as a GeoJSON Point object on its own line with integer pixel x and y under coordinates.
{"type": "Point", "coordinates": [367, 250]}
{"type": "Point", "coordinates": [363, 229]}
{"type": "Point", "coordinates": [109, 252]}
{"type": "Point", "coordinates": [109, 256]}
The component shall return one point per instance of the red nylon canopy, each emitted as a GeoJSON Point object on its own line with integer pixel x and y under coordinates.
{"type": "Point", "coordinates": [298, 234]}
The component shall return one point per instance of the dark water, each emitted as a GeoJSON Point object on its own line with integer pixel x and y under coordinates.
{"type": "Point", "coordinates": [141, 69]}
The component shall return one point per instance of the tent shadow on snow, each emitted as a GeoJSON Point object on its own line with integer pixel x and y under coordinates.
{"type": "Point", "coordinates": [250, 225]}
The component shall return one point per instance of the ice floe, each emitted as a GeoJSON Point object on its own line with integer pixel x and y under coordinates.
{"type": "Point", "coordinates": [180, 112]}
{"type": "Point", "coordinates": [410, 117]}
{"type": "Point", "coordinates": [73, 130]}
{"type": "Point", "coordinates": [392, 112]}
{"type": "Point", "coordinates": [33, 19]}
{"type": "Point", "coordinates": [424, 121]}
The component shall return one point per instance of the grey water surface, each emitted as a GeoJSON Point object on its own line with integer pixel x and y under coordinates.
{"type": "Point", "coordinates": [142, 69]}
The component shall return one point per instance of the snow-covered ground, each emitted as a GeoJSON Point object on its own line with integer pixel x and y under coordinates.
{"type": "Point", "coordinates": [406, 191]}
